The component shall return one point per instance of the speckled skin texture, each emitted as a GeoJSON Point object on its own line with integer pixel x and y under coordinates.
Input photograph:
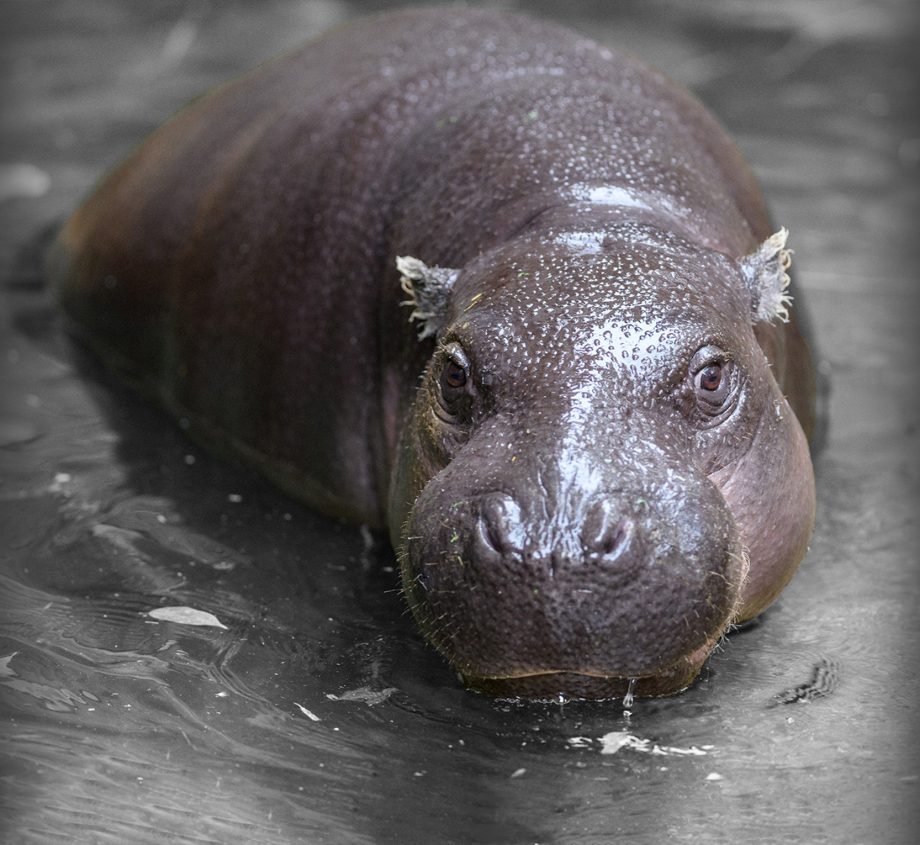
{"type": "Point", "coordinates": [571, 518]}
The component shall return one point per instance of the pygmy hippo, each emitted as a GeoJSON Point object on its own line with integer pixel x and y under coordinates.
{"type": "Point", "coordinates": [587, 432]}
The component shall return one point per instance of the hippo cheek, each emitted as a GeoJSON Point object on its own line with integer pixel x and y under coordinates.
{"type": "Point", "coordinates": [771, 493]}
{"type": "Point", "coordinates": [624, 590]}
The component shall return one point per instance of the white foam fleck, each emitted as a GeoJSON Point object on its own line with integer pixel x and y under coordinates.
{"type": "Point", "coordinates": [308, 713]}
{"type": "Point", "coordinates": [186, 616]}
{"type": "Point", "coordinates": [612, 742]}
{"type": "Point", "coordinates": [23, 181]}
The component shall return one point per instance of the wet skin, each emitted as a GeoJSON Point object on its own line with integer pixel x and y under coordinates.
{"type": "Point", "coordinates": [594, 459]}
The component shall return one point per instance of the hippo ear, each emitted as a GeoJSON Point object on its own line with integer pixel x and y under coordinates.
{"type": "Point", "coordinates": [427, 289]}
{"type": "Point", "coordinates": [765, 272]}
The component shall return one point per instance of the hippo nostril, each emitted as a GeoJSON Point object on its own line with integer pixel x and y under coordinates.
{"type": "Point", "coordinates": [615, 539]}
{"type": "Point", "coordinates": [491, 535]}
{"type": "Point", "coordinates": [499, 523]}
{"type": "Point", "coordinates": [604, 535]}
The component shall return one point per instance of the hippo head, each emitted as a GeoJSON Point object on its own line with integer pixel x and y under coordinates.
{"type": "Point", "coordinates": [599, 473]}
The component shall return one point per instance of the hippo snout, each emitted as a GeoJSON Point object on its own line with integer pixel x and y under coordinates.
{"type": "Point", "coordinates": [519, 589]}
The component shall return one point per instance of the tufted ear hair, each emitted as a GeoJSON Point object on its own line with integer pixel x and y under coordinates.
{"type": "Point", "coordinates": [427, 289]}
{"type": "Point", "coordinates": [767, 279]}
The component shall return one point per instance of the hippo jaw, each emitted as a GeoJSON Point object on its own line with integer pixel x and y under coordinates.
{"type": "Point", "coordinates": [574, 683]}
{"type": "Point", "coordinates": [556, 684]}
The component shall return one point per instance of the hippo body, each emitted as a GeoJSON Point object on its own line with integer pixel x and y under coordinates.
{"type": "Point", "coordinates": [589, 442]}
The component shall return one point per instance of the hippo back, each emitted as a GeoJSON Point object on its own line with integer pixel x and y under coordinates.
{"type": "Point", "coordinates": [240, 263]}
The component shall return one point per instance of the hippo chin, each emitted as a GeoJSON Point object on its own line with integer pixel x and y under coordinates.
{"type": "Point", "coordinates": [604, 464]}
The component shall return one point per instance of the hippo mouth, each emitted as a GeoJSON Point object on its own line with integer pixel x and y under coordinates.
{"type": "Point", "coordinates": [581, 684]}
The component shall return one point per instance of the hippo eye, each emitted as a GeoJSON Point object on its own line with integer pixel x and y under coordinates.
{"type": "Point", "coordinates": [713, 380]}
{"type": "Point", "coordinates": [453, 376]}
{"type": "Point", "coordinates": [709, 378]}
{"type": "Point", "coordinates": [454, 382]}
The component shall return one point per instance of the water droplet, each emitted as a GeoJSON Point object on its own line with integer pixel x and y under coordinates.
{"type": "Point", "coordinates": [629, 697]}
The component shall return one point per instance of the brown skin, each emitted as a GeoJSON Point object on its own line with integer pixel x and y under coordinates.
{"type": "Point", "coordinates": [599, 472]}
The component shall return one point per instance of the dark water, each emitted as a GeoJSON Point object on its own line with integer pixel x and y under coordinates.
{"type": "Point", "coordinates": [313, 713]}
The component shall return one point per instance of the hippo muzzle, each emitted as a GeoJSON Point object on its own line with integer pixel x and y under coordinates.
{"type": "Point", "coordinates": [537, 571]}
